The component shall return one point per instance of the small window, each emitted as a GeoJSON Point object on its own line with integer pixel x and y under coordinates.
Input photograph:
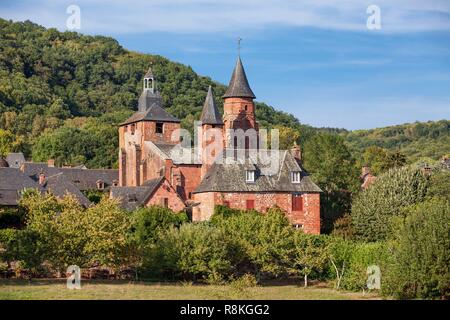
{"type": "Point", "coordinates": [246, 108]}
{"type": "Point", "coordinates": [125, 128]}
{"type": "Point", "coordinates": [133, 128]}
{"type": "Point", "coordinates": [100, 185]}
{"type": "Point", "coordinates": [159, 127]}
{"type": "Point", "coordinates": [250, 176]}
{"type": "Point", "coordinates": [298, 226]}
{"type": "Point", "coordinates": [132, 197]}
{"type": "Point", "coordinates": [226, 204]}
{"type": "Point", "coordinates": [115, 183]}
{"type": "Point", "coordinates": [295, 176]}
{"type": "Point", "coordinates": [166, 202]}
{"type": "Point", "coordinates": [250, 204]}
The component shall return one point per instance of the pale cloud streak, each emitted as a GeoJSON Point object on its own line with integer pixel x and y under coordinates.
{"type": "Point", "coordinates": [229, 16]}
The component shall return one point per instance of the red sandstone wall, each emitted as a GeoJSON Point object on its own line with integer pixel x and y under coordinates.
{"type": "Point", "coordinates": [309, 218]}
{"type": "Point", "coordinates": [165, 191]}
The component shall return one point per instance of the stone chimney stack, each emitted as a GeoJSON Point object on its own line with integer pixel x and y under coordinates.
{"type": "Point", "coordinates": [51, 163]}
{"type": "Point", "coordinates": [296, 152]}
{"type": "Point", "coordinates": [41, 178]}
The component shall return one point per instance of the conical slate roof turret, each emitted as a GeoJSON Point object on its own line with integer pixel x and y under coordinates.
{"type": "Point", "coordinates": [210, 113]}
{"type": "Point", "coordinates": [239, 87]}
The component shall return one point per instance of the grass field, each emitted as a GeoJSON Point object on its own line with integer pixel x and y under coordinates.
{"type": "Point", "coordinates": [114, 289]}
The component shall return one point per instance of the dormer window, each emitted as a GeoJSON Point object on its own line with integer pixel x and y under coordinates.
{"type": "Point", "coordinates": [115, 183]}
{"type": "Point", "coordinates": [100, 185]}
{"type": "Point", "coordinates": [250, 176]}
{"type": "Point", "coordinates": [159, 127]}
{"type": "Point", "coordinates": [295, 176]}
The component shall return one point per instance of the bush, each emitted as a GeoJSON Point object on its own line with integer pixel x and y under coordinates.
{"type": "Point", "coordinates": [193, 251]}
{"type": "Point", "coordinates": [149, 221]}
{"type": "Point", "coordinates": [349, 260]}
{"type": "Point", "coordinates": [419, 264]}
{"type": "Point", "coordinates": [262, 242]}
{"type": "Point", "coordinates": [373, 208]}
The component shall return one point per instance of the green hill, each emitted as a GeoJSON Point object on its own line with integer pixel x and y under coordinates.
{"type": "Point", "coordinates": [62, 95]}
{"type": "Point", "coordinates": [415, 140]}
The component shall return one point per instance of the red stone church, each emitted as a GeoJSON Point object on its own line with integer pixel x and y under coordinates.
{"type": "Point", "coordinates": [151, 170]}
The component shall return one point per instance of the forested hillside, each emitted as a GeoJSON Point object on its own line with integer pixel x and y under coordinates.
{"type": "Point", "coordinates": [416, 141]}
{"type": "Point", "coordinates": [62, 95]}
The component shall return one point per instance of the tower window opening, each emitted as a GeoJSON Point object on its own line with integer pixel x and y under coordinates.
{"type": "Point", "coordinates": [159, 127]}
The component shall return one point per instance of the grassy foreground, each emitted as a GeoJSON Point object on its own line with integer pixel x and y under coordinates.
{"type": "Point", "coordinates": [114, 289]}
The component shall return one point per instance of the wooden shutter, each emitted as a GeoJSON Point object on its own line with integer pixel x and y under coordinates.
{"type": "Point", "coordinates": [297, 202]}
{"type": "Point", "coordinates": [250, 204]}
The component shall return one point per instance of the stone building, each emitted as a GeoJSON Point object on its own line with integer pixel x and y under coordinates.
{"type": "Point", "coordinates": [157, 166]}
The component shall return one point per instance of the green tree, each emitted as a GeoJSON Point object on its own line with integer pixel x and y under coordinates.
{"type": "Point", "coordinates": [373, 208]}
{"type": "Point", "coordinates": [420, 259]}
{"type": "Point", "coordinates": [310, 254]}
{"type": "Point", "coordinates": [6, 142]}
{"type": "Point", "coordinates": [329, 161]}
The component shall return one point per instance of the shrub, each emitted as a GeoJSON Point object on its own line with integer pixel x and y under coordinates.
{"type": "Point", "coordinates": [262, 242]}
{"type": "Point", "coordinates": [393, 191]}
{"type": "Point", "coordinates": [149, 221]}
{"type": "Point", "coordinates": [420, 259]}
{"type": "Point", "coordinates": [192, 251]}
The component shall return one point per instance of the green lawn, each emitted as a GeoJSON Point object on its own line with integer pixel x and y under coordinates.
{"type": "Point", "coordinates": [115, 289]}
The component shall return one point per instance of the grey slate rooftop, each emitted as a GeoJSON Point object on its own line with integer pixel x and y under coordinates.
{"type": "Point", "coordinates": [154, 113]}
{"type": "Point", "coordinates": [210, 113]}
{"type": "Point", "coordinates": [60, 186]}
{"type": "Point", "coordinates": [131, 198]}
{"type": "Point", "coordinates": [230, 177]}
{"type": "Point", "coordinates": [12, 182]}
{"type": "Point", "coordinates": [83, 179]}
{"type": "Point", "coordinates": [238, 86]}
{"type": "Point", "coordinates": [15, 160]}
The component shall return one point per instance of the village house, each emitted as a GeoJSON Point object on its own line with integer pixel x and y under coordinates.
{"type": "Point", "coordinates": [17, 175]}
{"type": "Point", "coordinates": [150, 172]}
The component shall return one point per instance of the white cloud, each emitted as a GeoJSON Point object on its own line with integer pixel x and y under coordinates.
{"type": "Point", "coordinates": [228, 16]}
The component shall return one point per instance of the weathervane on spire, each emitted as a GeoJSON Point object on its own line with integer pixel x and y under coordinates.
{"type": "Point", "coordinates": [239, 39]}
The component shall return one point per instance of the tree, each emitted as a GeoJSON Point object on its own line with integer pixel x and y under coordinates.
{"type": "Point", "coordinates": [373, 208]}
{"type": "Point", "coordinates": [261, 241]}
{"type": "Point", "coordinates": [310, 254]}
{"type": "Point", "coordinates": [107, 229]}
{"type": "Point", "coordinates": [6, 142]}
{"type": "Point", "coordinates": [148, 222]}
{"type": "Point", "coordinates": [420, 261]}
{"type": "Point", "coordinates": [328, 160]}
{"type": "Point", "coordinates": [288, 136]}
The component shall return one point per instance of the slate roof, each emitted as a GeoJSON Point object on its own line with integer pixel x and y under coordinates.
{"type": "Point", "coordinates": [15, 160]}
{"type": "Point", "coordinates": [238, 86]}
{"type": "Point", "coordinates": [210, 113]}
{"type": "Point", "coordinates": [167, 151]}
{"type": "Point", "coordinates": [131, 198]}
{"type": "Point", "coordinates": [12, 182]}
{"type": "Point", "coordinates": [153, 113]}
{"type": "Point", "coordinates": [83, 179]}
{"type": "Point", "coordinates": [230, 177]}
{"type": "Point", "coordinates": [59, 185]}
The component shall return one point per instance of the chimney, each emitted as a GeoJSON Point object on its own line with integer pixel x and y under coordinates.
{"type": "Point", "coordinates": [51, 163]}
{"type": "Point", "coordinates": [41, 178]}
{"type": "Point", "coordinates": [296, 152]}
{"type": "Point", "coordinates": [365, 170]}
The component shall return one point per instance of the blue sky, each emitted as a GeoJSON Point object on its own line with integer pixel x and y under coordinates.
{"type": "Point", "coordinates": [314, 59]}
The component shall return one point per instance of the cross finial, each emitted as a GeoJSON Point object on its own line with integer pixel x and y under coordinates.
{"type": "Point", "coordinates": [239, 39]}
